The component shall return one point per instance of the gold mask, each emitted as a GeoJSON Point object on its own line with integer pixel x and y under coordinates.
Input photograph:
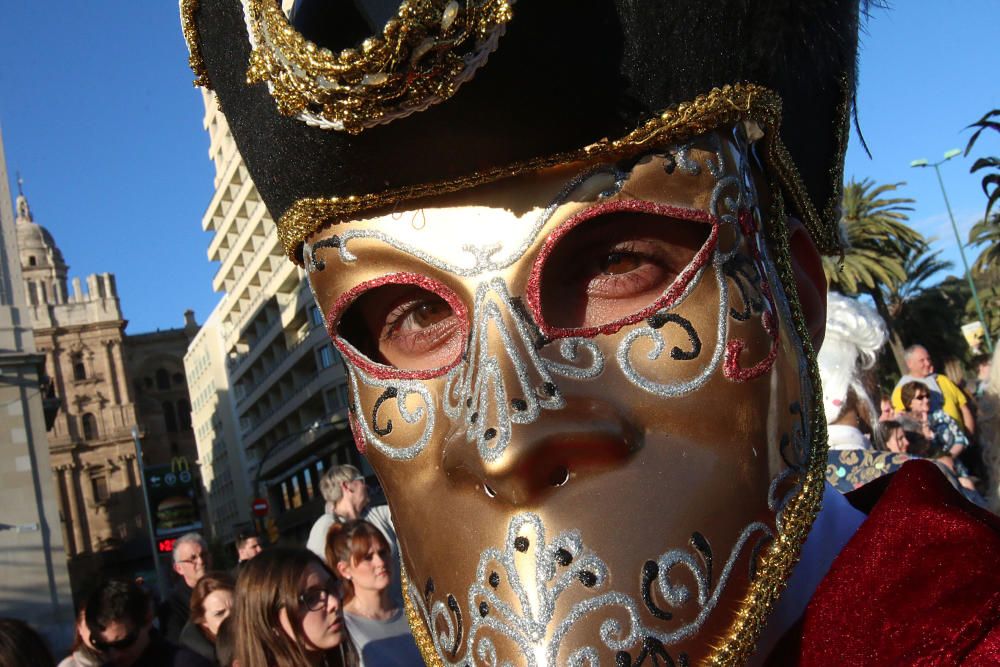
{"type": "Point", "coordinates": [589, 399]}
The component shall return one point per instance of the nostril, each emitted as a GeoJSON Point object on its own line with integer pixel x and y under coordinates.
{"type": "Point", "coordinates": [559, 476]}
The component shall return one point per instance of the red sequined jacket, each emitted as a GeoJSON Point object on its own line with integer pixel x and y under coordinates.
{"type": "Point", "coordinates": [918, 584]}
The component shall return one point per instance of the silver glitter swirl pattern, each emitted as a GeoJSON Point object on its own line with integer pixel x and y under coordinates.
{"type": "Point", "coordinates": [404, 389]}
{"type": "Point", "coordinates": [530, 622]}
{"type": "Point", "coordinates": [476, 392]}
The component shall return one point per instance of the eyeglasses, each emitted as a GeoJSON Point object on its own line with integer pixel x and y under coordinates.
{"type": "Point", "coordinates": [117, 645]}
{"type": "Point", "coordinates": [192, 560]}
{"type": "Point", "coordinates": [316, 598]}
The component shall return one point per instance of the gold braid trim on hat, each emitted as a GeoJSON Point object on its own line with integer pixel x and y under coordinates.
{"type": "Point", "coordinates": [422, 56]}
{"type": "Point", "coordinates": [729, 104]}
{"type": "Point", "coordinates": [190, 29]}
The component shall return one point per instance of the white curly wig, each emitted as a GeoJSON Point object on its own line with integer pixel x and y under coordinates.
{"type": "Point", "coordinates": [854, 334]}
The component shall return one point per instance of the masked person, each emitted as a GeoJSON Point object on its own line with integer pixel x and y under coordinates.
{"type": "Point", "coordinates": [568, 251]}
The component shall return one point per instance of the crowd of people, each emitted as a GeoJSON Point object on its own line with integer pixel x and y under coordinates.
{"type": "Point", "coordinates": [949, 420]}
{"type": "Point", "coordinates": [280, 606]}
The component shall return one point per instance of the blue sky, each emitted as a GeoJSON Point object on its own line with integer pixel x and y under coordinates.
{"type": "Point", "coordinates": [100, 118]}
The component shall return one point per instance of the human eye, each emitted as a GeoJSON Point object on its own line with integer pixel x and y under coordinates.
{"type": "Point", "coordinates": [602, 272]}
{"type": "Point", "coordinates": [407, 323]}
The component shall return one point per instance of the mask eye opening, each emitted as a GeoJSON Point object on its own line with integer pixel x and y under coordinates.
{"type": "Point", "coordinates": [355, 342]}
{"type": "Point", "coordinates": [672, 292]}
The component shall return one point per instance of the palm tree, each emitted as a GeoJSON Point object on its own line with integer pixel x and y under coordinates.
{"type": "Point", "coordinates": [986, 233]}
{"type": "Point", "coordinates": [991, 181]}
{"type": "Point", "coordinates": [877, 238]}
{"type": "Point", "coordinates": [886, 259]}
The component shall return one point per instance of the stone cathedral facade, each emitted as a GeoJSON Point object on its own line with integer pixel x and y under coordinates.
{"type": "Point", "coordinates": [107, 384]}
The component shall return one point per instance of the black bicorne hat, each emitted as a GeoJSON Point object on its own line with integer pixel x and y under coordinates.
{"type": "Point", "coordinates": [353, 105]}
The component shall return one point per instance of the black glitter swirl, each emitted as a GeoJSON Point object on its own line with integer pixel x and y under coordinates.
{"type": "Point", "coordinates": [494, 579]}
{"type": "Point", "coordinates": [587, 578]}
{"type": "Point", "coordinates": [390, 392]}
{"type": "Point", "coordinates": [652, 650]}
{"type": "Point", "coordinates": [747, 279]}
{"type": "Point", "coordinates": [519, 404]}
{"type": "Point", "coordinates": [650, 570]}
{"type": "Point", "coordinates": [659, 320]}
{"type": "Point", "coordinates": [521, 543]}
{"type": "Point", "coordinates": [538, 339]}
{"type": "Point", "coordinates": [484, 609]}
{"type": "Point", "coordinates": [453, 605]}
{"type": "Point", "coordinates": [331, 242]}
{"type": "Point", "coordinates": [700, 543]}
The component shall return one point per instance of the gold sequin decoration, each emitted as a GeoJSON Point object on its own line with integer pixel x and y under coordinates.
{"type": "Point", "coordinates": [721, 106]}
{"type": "Point", "coordinates": [190, 29]}
{"type": "Point", "coordinates": [424, 53]}
{"type": "Point", "coordinates": [421, 635]}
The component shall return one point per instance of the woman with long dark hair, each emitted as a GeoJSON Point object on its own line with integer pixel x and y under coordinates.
{"type": "Point", "coordinates": [288, 612]}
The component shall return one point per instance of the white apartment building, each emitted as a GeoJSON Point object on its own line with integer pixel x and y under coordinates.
{"type": "Point", "coordinates": [269, 394]}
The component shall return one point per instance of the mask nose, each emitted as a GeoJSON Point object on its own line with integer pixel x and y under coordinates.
{"type": "Point", "coordinates": [513, 429]}
{"type": "Point", "coordinates": [585, 437]}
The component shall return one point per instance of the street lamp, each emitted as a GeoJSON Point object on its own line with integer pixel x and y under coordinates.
{"type": "Point", "coordinates": [922, 162]}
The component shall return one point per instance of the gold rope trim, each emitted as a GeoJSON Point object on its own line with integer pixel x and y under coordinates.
{"type": "Point", "coordinates": [190, 29]}
{"type": "Point", "coordinates": [724, 105]}
{"type": "Point", "coordinates": [422, 56]}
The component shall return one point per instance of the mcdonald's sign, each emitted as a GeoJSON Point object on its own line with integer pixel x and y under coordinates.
{"type": "Point", "coordinates": [171, 491]}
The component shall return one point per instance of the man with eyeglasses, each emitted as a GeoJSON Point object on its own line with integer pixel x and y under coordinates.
{"type": "Point", "coordinates": [191, 561]}
{"type": "Point", "coordinates": [120, 619]}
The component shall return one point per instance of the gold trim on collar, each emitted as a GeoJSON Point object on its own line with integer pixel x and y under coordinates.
{"type": "Point", "coordinates": [724, 105]}
{"type": "Point", "coordinates": [424, 54]}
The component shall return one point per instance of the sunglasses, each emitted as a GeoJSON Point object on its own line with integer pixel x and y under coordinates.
{"type": "Point", "coordinates": [117, 645]}
{"type": "Point", "coordinates": [316, 598]}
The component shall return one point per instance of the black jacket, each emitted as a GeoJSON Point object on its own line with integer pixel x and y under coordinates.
{"type": "Point", "coordinates": [175, 611]}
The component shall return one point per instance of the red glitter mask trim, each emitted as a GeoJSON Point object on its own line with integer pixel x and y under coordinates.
{"type": "Point", "coordinates": [731, 366]}
{"type": "Point", "coordinates": [665, 300]}
{"type": "Point", "coordinates": [382, 371]}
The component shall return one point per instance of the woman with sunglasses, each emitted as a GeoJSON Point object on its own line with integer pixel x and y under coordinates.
{"type": "Point", "coordinates": [288, 614]}
{"type": "Point", "coordinates": [211, 604]}
{"type": "Point", "coordinates": [360, 554]}
{"type": "Point", "coordinates": [940, 430]}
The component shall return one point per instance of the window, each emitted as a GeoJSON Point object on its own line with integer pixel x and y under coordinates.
{"type": "Point", "coordinates": [32, 261]}
{"type": "Point", "coordinates": [184, 415]}
{"type": "Point", "coordinates": [326, 357]}
{"type": "Point", "coordinates": [169, 418]}
{"type": "Point", "coordinates": [316, 315]}
{"type": "Point", "coordinates": [162, 379]}
{"type": "Point", "coordinates": [79, 370]}
{"type": "Point", "coordinates": [178, 378]}
{"type": "Point", "coordinates": [100, 485]}
{"type": "Point", "coordinates": [89, 426]}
